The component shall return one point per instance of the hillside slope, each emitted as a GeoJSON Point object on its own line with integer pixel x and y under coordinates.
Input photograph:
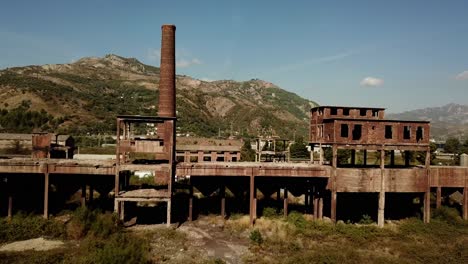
{"type": "Point", "coordinates": [447, 120]}
{"type": "Point", "coordinates": [85, 96]}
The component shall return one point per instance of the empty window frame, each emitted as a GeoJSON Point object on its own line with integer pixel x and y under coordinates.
{"type": "Point", "coordinates": [388, 132]}
{"type": "Point", "coordinates": [363, 112]}
{"type": "Point", "coordinates": [419, 133]}
{"type": "Point", "coordinates": [344, 130]}
{"type": "Point", "coordinates": [334, 111]}
{"type": "Point", "coordinates": [346, 111]}
{"type": "Point", "coordinates": [357, 132]}
{"type": "Point", "coordinates": [375, 113]}
{"type": "Point", "coordinates": [206, 158]}
{"type": "Point", "coordinates": [406, 132]}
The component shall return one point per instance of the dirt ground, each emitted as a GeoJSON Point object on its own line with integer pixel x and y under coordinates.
{"type": "Point", "coordinates": [205, 238]}
{"type": "Point", "coordinates": [37, 244]}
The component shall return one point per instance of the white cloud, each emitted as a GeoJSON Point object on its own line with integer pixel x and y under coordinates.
{"type": "Point", "coordinates": [372, 82]}
{"type": "Point", "coordinates": [462, 76]}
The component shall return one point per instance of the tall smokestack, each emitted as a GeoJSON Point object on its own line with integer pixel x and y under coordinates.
{"type": "Point", "coordinates": [167, 95]}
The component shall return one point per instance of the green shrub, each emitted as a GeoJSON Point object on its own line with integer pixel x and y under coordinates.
{"type": "Point", "coordinates": [270, 212]}
{"type": "Point", "coordinates": [118, 248]}
{"type": "Point", "coordinates": [256, 237]}
{"type": "Point", "coordinates": [366, 220]}
{"type": "Point", "coordinates": [298, 220]}
{"type": "Point", "coordinates": [22, 226]}
{"type": "Point", "coordinates": [450, 215]}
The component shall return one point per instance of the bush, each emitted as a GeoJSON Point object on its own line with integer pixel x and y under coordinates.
{"type": "Point", "coordinates": [256, 237]}
{"type": "Point", "coordinates": [86, 221]}
{"type": "Point", "coordinates": [450, 215]}
{"type": "Point", "coordinates": [269, 212]}
{"type": "Point", "coordinates": [118, 248]}
{"type": "Point", "coordinates": [297, 219]}
{"type": "Point", "coordinates": [366, 220]}
{"type": "Point", "coordinates": [22, 227]}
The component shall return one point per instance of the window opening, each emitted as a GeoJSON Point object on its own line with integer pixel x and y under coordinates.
{"type": "Point", "coordinates": [406, 132]}
{"type": "Point", "coordinates": [357, 132]}
{"type": "Point", "coordinates": [419, 133]}
{"type": "Point", "coordinates": [388, 132]}
{"type": "Point", "coordinates": [344, 130]}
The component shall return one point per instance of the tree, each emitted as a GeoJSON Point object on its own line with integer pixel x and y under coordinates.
{"type": "Point", "coordinates": [247, 153]}
{"type": "Point", "coordinates": [299, 149]}
{"type": "Point", "coordinates": [452, 145]}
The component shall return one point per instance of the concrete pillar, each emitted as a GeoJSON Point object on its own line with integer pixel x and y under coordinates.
{"type": "Point", "coordinates": [465, 203]}
{"type": "Point", "coordinates": [222, 193]}
{"type": "Point", "coordinates": [285, 202]}
{"type": "Point", "coordinates": [214, 156]}
{"type": "Point", "coordinates": [83, 195]}
{"type": "Point", "coordinates": [315, 204]}
{"type": "Point", "coordinates": [333, 206]}
{"type": "Point", "coordinates": [381, 210]}
{"type": "Point", "coordinates": [169, 209]}
{"type": "Point", "coordinates": [122, 211]}
{"type": "Point", "coordinates": [10, 206]}
{"type": "Point", "coordinates": [200, 156]}
{"type": "Point", "coordinates": [427, 207]}
{"type": "Point", "coordinates": [353, 157]}
{"type": "Point", "coordinates": [190, 212]}
{"type": "Point", "coordinates": [364, 159]}
{"type": "Point", "coordinates": [46, 195]}
{"type": "Point", "coordinates": [321, 155]}
{"type": "Point", "coordinates": [116, 190]}
{"type": "Point", "coordinates": [306, 200]}
{"type": "Point", "coordinates": [320, 208]}
{"type": "Point", "coordinates": [392, 158]}
{"type": "Point", "coordinates": [439, 197]}
{"type": "Point", "coordinates": [251, 199]}
{"type": "Point", "coordinates": [407, 158]}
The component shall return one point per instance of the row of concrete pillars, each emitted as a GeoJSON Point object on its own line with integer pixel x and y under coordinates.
{"type": "Point", "coordinates": [85, 188]}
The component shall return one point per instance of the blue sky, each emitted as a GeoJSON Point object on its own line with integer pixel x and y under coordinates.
{"type": "Point", "coordinates": [401, 55]}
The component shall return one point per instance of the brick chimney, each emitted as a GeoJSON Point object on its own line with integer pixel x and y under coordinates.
{"type": "Point", "coordinates": [167, 96]}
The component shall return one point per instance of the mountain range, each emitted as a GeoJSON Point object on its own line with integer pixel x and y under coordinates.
{"type": "Point", "coordinates": [84, 97]}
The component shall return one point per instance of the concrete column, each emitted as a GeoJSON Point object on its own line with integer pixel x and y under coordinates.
{"type": "Point", "coordinates": [407, 158]}
{"type": "Point", "coordinates": [116, 190]}
{"type": "Point", "coordinates": [46, 195]}
{"type": "Point", "coordinates": [306, 200]}
{"type": "Point", "coordinates": [285, 202]}
{"type": "Point", "coordinates": [333, 206]}
{"type": "Point", "coordinates": [321, 155]}
{"type": "Point", "coordinates": [427, 206]}
{"type": "Point", "coordinates": [169, 209]}
{"type": "Point", "coordinates": [439, 197]}
{"type": "Point", "coordinates": [320, 208]}
{"type": "Point", "coordinates": [190, 213]}
{"type": "Point", "coordinates": [316, 203]}
{"type": "Point", "coordinates": [427, 194]}
{"type": "Point", "coordinates": [251, 202]}
{"type": "Point", "coordinates": [465, 203]}
{"type": "Point", "coordinates": [10, 206]}
{"type": "Point", "coordinates": [83, 195]}
{"type": "Point", "coordinates": [200, 156]}
{"type": "Point", "coordinates": [364, 159]}
{"type": "Point", "coordinates": [214, 156]}
{"type": "Point", "coordinates": [381, 210]}
{"type": "Point", "coordinates": [353, 157]}
{"type": "Point", "coordinates": [222, 193]}
{"type": "Point", "coordinates": [122, 211]}
{"type": "Point", "coordinates": [392, 158]}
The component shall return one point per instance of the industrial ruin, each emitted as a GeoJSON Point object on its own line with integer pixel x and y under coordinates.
{"type": "Point", "coordinates": [374, 182]}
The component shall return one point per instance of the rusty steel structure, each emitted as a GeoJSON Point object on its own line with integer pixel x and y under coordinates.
{"type": "Point", "coordinates": [327, 188]}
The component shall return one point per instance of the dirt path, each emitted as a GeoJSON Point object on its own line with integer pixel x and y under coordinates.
{"type": "Point", "coordinates": [37, 244]}
{"type": "Point", "coordinates": [209, 236]}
